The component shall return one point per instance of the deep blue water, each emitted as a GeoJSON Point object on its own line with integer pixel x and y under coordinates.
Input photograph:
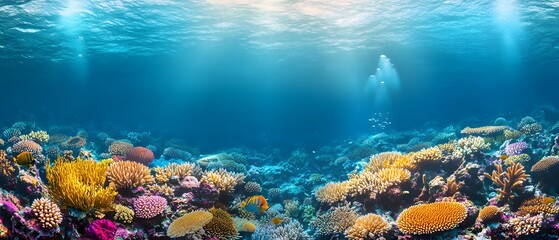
{"type": "Point", "coordinates": [280, 73]}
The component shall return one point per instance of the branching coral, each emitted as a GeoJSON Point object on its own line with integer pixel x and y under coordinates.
{"type": "Point", "coordinates": [149, 206]}
{"type": "Point", "coordinates": [223, 180]}
{"type": "Point", "coordinates": [253, 187]}
{"type": "Point", "coordinates": [221, 225]}
{"type": "Point", "coordinates": [426, 155]}
{"type": "Point", "coordinates": [47, 212]}
{"type": "Point", "coordinates": [451, 187]}
{"type": "Point", "coordinates": [522, 158]}
{"type": "Point", "coordinates": [332, 192]}
{"type": "Point", "coordinates": [471, 145]}
{"type": "Point", "coordinates": [80, 184]}
{"type": "Point", "coordinates": [370, 226]}
{"type": "Point", "coordinates": [509, 181]}
{"type": "Point", "coordinates": [37, 136]}
{"type": "Point", "coordinates": [128, 174]}
{"type": "Point", "coordinates": [173, 171]}
{"type": "Point", "coordinates": [484, 131]}
{"type": "Point", "coordinates": [546, 164]}
{"type": "Point", "coordinates": [7, 167]}
{"type": "Point", "coordinates": [189, 223]}
{"type": "Point", "coordinates": [538, 205]}
{"type": "Point", "coordinates": [336, 221]}
{"type": "Point", "coordinates": [164, 190]}
{"type": "Point", "coordinates": [388, 159]}
{"type": "Point", "coordinates": [432, 217]}
{"type": "Point", "coordinates": [525, 225]}
{"type": "Point", "coordinates": [375, 183]}
{"type": "Point", "coordinates": [123, 213]}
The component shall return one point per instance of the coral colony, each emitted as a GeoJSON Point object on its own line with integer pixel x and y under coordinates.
{"type": "Point", "coordinates": [461, 182]}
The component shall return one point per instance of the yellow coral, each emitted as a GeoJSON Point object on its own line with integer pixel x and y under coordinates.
{"type": "Point", "coordinates": [521, 158]}
{"type": "Point", "coordinates": [426, 155]}
{"type": "Point", "coordinates": [538, 205]}
{"type": "Point", "coordinates": [375, 183]}
{"type": "Point", "coordinates": [432, 217]}
{"type": "Point", "coordinates": [484, 131]}
{"type": "Point", "coordinates": [221, 225]}
{"type": "Point", "coordinates": [335, 222]}
{"type": "Point", "coordinates": [511, 134]}
{"type": "Point", "coordinates": [487, 213]}
{"type": "Point", "coordinates": [123, 213]}
{"type": "Point", "coordinates": [189, 223]}
{"type": "Point", "coordinates": [332, 192]}
{"type": "Point", "coordinates": [223, 180]}
{"type": "Point", "coordinates": [472, 144]}
{"type": "Point", "coordinates": [7, 167]}
{"type": "Point", "coordinates": [128, 174]}
{"type": "Point", "coordinates": [369, 226]}
{"type": "Point", "coordinates": [244, 225]}
{"type": "Point", "coordinates": [37, 136]}
{"type": "Point", "coordinates": [173, 171]}
{"type": "Point", "coordinates": [80, 184]}
{"type": "Point", "coordinates": [161, 189]}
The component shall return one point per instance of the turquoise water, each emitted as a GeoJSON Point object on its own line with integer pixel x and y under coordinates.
{"type": "Point", "coordinates": [294, 93]}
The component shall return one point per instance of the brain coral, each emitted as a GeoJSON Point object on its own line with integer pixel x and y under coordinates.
{"type": "Point", "coordinates": [47, 212]}
{"type": "Point", "coordinates": [487, 213]}
{"type": "Point", "coordinates": [149, 206]}
{"type": "Point", "coordinates": [120, 148]}
{"type": "Point", "coordinates": [127, 174]}
{"type": "Point", "coordinates": [189, 223]}
{"type": "Point", "coordinates": [141, 155]}
{"type": "Point", "coordinates": [546, 164]}
{"type": "Point", "coordinates": [221, 225]}
{"type": "Point", "coordinates": [369, 226]}
{"type": "Point", "coordinates": [432, 217]}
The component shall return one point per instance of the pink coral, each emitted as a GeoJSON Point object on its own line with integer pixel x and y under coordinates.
{"type": "Point", "coordinates": [101, 229]}
{"type": "Point", "coordinates": [515, 148]}
{"type": "Point", "coordinates": [149, 206]}
{"type": "Point", "coordinates": [141, 155]}
{"type": "Point", "coordinates": [27, 146]}
{"type": "Point", "coordinates": [190, 182]}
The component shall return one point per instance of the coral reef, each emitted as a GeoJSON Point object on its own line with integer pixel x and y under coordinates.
{"type": "Point", "coordinates": [47, 212]}
{"type": "Point", "coordinates": [512, 179]}
{"type": "Point", "coordinates": [149, 206]}
{"type": "Point", "coordinates": [189, 223]}
{"type": "Point", "coordinates": [430, 218]}
{"type": "Point", "coordinates": [127, 174]}
{"type": "Point", "coordinates": [369, 226]}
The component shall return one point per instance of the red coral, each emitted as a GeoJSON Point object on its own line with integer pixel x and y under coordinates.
{"type": "Point", "coordinates": [141, 155]}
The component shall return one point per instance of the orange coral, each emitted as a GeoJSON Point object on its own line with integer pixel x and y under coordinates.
{"type": "Point", "coordinates": [432, 217]}
{"type": "Point", "coordinates": [367, 227]}
{"type": "Point", "coordinates": [47, 212]}
{"type": "Point", "coordinates": [545, 164]}
{"type": "Point", "coordinates": [7, 167]}
{"type": "Point", "coordinates": [487, 213]}
{"type": "Point", "coordinates": [332, 192]}
{"type": "Point", "coordinates": [128, 174]}
{"type": "Point", "coordinates": [189, 223]}
{"type": "Point", "coordinates": [221, 225]}
{"type": "Point", "coordinates": [426, 155]}
{"type": "Point", "coordinates": [173, 171]}
{"type": "Point", "coordinates": [509, 181]}
{"type": "Point", "coordinates": [538, 205]}
{"type": "Point", "coordinates": [375, 183]}
{"type": "Point", "coordinates": [484, 131]}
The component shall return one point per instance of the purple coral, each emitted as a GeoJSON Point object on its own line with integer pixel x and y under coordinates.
{"type": "Point", "coordinates": [101, 229]}
{"type": "Point", "coordinates": [190, 182]}
{"type": "Point", "coordinates": [149, 206]}
{"type": "Point", "coordinates": [515, 148]}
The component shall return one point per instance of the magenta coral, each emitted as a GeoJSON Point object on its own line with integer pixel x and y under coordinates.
{"type": "Point", "coordinates": [149, 206]}
{"type": "Point", "coordinates": [101, 229]}
{"type": "Point", "coordinates": [515, 148]}
{"type": "Point", "coordinates": [141, 155]}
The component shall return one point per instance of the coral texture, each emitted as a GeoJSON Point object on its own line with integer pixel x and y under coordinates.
{"type": "Point", "coordinates": [128, 174]}
{"type": "Point", "coordinates": [432, 217]}
{"type": "Point", "coordinates": [141, 155]}
{"type": "Point", "coordinates": [189, 223]}
{"type": "Point", "coordinates": [370, 226]}
{"type": "Point", "coordinates": [509, 181]}
{"type": "Point", "coordinates": [47, 212]}
{"type": "Point", "coordinates": [149, 206]}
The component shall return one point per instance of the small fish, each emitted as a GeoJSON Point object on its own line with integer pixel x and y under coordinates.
{"type": "Point", "coordinates": [25, 158]}
{"type": "Point", "coordinates": [255, 204]}
{"type": "Point", "coordinates": [276, 220]}
{"type": "Point", "coordinates": [504, 156]}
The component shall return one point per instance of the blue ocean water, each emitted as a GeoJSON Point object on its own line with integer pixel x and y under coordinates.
{"type": "Point", "coordinates": [289, 70]}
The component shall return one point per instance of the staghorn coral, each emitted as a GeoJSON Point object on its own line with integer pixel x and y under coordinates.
{"type": "Point", "coordinates": [451, 187]}
{"type": "Point", "coordinates": [388, 159]}
{"type": "Point", "coordinates": [47, 212]}
{"type": "Point", "coordinates": [471, 144]}
{"type": "Point", "coordinates": [488, 213]}
{"type": "Point", "coordinates": [545, 164]}
{"type": "Point", "coordinates": [128, 174]}
{"type": "Point", "coordinates": [173, 171]}
{"type": "Point", "coordinates": [80, 184]}
{"type": "Point", "coordinates": [332, 192]}
{"type": "Point", "coordinates": [253, 187]}
{"type": "Point", "coordinates": [149, 206]}
{"type": "Point", "coordinates": [335, 221]}
{"type": "Point", "coordinates": [120, 148]}
{"type": "Point", "coordinates": [525, 225]}
{"type": "Point", "coordinates": [163, 190]}
{"type": "Point", "coordinates": [123, 214]}
{"type": "Point", "coordinates": [509, 181]}
{"type": "Point", "coordinates": [432, 217]}
{"type": "Point", "coordinates": [538, 204]}
{"type": "Point", "coordinates": [37, 136]}
{"type": "Point", "coordinates": [189, 223]}
{"type": "Point", "coordinates": [483, 131]}
{"type": "Point", "coordinates": [223, 180]}
{"type": "Point", "coordinates": [221, 225]}
{"type": "Point", "coordinates": [141, 155]}
{"type": "Point", "coordinates": [376, 183]}
{"type": "Point", "coordinates": [370, 226]}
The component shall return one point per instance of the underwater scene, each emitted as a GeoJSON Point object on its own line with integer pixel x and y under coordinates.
{"type": "Point", "coordinates": [279, 119]}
